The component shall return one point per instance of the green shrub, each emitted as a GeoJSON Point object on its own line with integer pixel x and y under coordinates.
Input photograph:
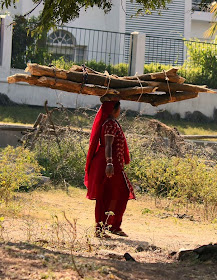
{"type": "Point", "coordinates": [120, 69]}
{"type": "Point", "coordinates": [18, 167]}
{"type": "Point", "coordinates": [186, 179]}
{"type": "Point", "coordinates": [66, 162]}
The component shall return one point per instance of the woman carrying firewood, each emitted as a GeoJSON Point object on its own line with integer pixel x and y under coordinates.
{"type": "Point", "coordinates": [105, 178]}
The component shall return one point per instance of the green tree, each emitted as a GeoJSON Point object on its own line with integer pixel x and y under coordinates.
{"type": "Point", "coordinates": [32, 47]}
{"type": "Point", "coordinates": [56, 12]}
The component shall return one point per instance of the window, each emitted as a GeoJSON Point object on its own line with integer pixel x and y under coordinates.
{"type": "Point", "coordinates": [63, 43]}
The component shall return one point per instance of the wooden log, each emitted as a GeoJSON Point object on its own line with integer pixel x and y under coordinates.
{"type": "Point", "coordinates": [133, 94]}
{"type": "Point", "coordinates": [12, 127]}
{"type": "Point", "coordinates": [115, 83]}
{"type": "Point", "coordinates": [78, 77]}
{"type": "Point", "coordinates": [60, 84]}
{"type": "Point", "coordinates": [78, 68]}
{"type": "Point", "coordinates": [135, 90]}
{"type": "Point", "coordinates": [160, 76]}
{"type": "Point", "coordinates": [174, 87]}
{"type": "Point", "coordinates": [160, 99]}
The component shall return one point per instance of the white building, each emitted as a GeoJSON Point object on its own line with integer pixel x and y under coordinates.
{"type": "Point", "coordinates": [163, 31]}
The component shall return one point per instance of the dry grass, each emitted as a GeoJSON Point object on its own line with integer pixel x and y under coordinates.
{"type": "Point", "coordinates": [143, 220]}
{"type": "Point", "coordinates": [31, 218]}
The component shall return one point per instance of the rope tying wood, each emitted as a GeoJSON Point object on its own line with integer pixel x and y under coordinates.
{"type": "Point", "coordinates": [167, 80]}
{"type": "Point", "coordinates": [140, 85]}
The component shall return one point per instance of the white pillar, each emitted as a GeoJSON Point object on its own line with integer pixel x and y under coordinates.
{"type": "Point", "coordinates": [6, 43]}
{"type": "Point", "coordinates": [187, 26]}
{"type": "Point", "coordinates": [137, 53]}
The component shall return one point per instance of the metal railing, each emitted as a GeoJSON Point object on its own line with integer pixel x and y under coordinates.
{"type": "Point", "coordinates": [105, 50]}
{"type": "Point", "coordinates": [197, 61]}
{"type": "Point", "coordinates": [164, 50]}
{"type": "Point", "coordinates": [81, 45]}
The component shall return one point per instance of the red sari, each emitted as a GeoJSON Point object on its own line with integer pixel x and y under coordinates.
{"type": "Point", "coordinates": [111, 194]}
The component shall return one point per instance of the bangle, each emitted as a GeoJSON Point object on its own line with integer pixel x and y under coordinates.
{"type": "Point", "coordinates": [108, 158]}
{"type": "Point", "coordinates": [110, 163]}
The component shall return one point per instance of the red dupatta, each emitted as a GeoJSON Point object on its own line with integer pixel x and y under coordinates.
{"type": "Point", "coordinates": [102, 115]}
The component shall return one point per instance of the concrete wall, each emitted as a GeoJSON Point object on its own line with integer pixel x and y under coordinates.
{"type": "Point", "coordinates": [205, 103]}
{"type": "Point", "coordinates": [199, 28]}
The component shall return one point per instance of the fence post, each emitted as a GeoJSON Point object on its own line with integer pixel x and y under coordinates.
{"type": "Point", "coordinates": [6, 42]}
{"type": "Point", "coordinates": [137, 55]}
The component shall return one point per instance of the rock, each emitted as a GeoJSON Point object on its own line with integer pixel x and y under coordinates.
{"type": "Point", "coordinates": [43, 180]}
{"type": "Point", "coordinates": [203, 253]}
{"type": "Point", "coordinates": [187, 255]}
{"type": "Point", "coordinates": [172, 254]}
{"type": "Point", "coordinates": [5, 100]}
{"type": "Point", "coordinates": [128, 257]}
{"type": "Point", "coordinates": [140, 249]}
{"type": "Point", "coordinates": [207, 252]}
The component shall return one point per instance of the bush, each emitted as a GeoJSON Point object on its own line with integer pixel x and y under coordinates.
{"type": "Point", "coordinates": [18, 167]}
{"type": "Point", "coordinates": [186, 179]}
{"type": "Point", "coordinates": [66, 162]}
{"type": "Point", "coordinates": [120, 69]}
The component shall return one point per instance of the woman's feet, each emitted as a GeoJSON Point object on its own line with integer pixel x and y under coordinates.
{"type": "Point", "coordinates": [119, 232]}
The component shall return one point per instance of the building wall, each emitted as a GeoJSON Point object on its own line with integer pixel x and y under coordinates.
{"type": "Point", "coordinates": [199, 28]}
{"type": "Point", "coordinates": [163, 31]}
{"type": "Point", "coordinates": [169, 23]}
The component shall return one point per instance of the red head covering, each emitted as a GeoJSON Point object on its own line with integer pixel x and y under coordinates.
{"type": "Point", "coordinates": [102, 115]}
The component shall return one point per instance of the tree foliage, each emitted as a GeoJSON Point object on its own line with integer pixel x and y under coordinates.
{"type": "Point", "coordinates": [32, 47]}
{"type": "Point", "coordinates": [55, 12]}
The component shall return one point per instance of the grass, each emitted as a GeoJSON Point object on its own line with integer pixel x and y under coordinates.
{"type": "Point", "coordinates": [193, 128]}
{"type": "Point", "coordinates": [40, 207]}
{"type": "Point", "coordinates": [27, 115]}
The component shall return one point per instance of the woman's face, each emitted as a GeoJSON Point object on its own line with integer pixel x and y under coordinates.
{"type": "Point", "coordinates": [116, 112]}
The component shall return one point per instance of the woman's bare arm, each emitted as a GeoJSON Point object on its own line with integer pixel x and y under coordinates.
{"type": "Point", "coordinates": [109, 139]}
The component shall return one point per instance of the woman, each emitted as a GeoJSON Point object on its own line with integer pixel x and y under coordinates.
{"type": "Point", "coordinates": [105, 178]}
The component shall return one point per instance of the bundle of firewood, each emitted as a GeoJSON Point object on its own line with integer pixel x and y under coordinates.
{"type": "Point", "coordinates": [154, 88]}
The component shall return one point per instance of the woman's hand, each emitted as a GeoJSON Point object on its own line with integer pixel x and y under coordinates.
{"type": "Point", "coordinates": [109, 171]}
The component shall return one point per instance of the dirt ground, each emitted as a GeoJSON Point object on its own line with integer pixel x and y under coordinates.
{"type": "Point", "coordinates": [39, 243]}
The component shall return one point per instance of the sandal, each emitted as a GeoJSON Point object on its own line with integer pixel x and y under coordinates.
{"type": "Point", "coordinates": [119, 233]}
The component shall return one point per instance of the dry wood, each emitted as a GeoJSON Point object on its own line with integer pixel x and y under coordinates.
{"type": "Point", "coordinates": [124, 92]}
{"type": "Point", "coordinates": [156, 99]}
{"type": "Point", "coordinates": [61, 84]}
{"type": "Point", "coordinates": [174, 87]}
{"type": "Point", "coordinates": [160, 76]}
{"type": "Point", "coordinates": [115, 83]}
{"type": "Point", "coordinates": [110, 87]}
{"type": "Point", "coordinates": [76, 87]}
{"type": "Point", "coordinates": [78, 77]}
